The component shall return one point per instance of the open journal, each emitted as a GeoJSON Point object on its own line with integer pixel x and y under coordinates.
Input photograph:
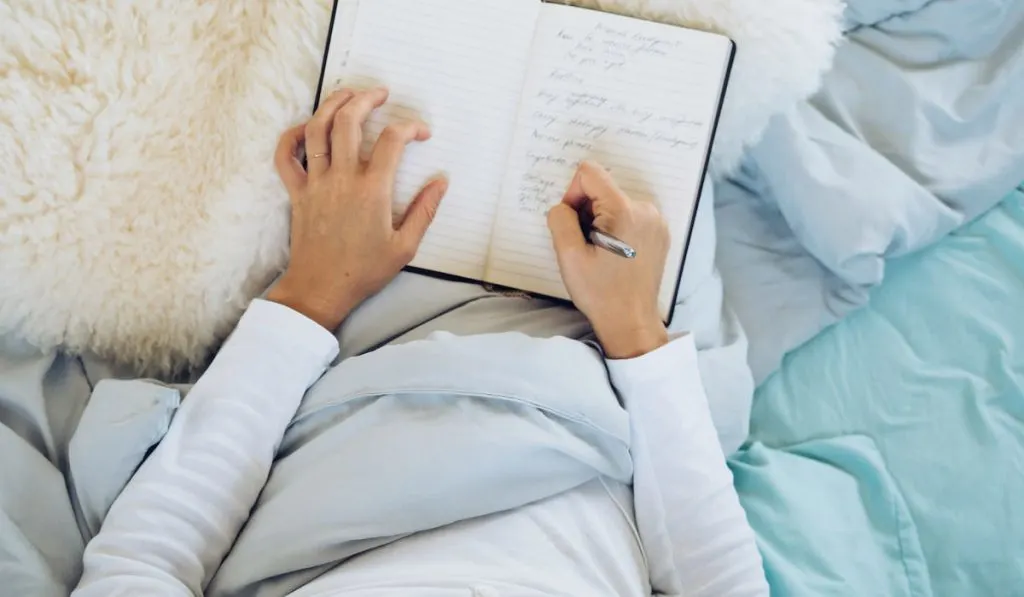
{"type": "Point", "coordinates": [517, 92]}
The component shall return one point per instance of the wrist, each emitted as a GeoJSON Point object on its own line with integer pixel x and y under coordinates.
{"type": "Point", "coordinates": [299, 298]}
{"type": "Point", "coordinates": [630, 339]}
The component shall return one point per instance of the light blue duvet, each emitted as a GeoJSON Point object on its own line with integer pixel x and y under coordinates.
{"type": "Point", "coordinates": [887, 454]}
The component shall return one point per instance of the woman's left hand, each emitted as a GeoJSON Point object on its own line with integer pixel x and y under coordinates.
{"type": "Point", "coordinates": [344, 244]}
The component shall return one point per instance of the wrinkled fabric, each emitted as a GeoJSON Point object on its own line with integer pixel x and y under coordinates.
{"type": "Point", "coordinates": [918, 129]}
{"type": "Point", "coordinates": [898, 434]}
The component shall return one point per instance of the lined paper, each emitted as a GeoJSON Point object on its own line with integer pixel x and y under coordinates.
{"type": "Point", "coordinates": [638, 98]}
{"type": "Point", "coordinates": [459, 65]}
{"type": "Point", "coordinates": [345, 12]}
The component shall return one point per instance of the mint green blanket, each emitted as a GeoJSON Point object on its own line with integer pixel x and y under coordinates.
{"type": "Point", "coordinates": [887, 455]}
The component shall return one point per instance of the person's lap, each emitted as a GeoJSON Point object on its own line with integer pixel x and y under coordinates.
{"type": "Point", "coordinates": [414, 306]}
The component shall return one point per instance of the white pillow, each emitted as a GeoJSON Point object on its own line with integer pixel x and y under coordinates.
{"type": "Point", "coordinates": [139, 209]}
{"type": "Point", "coordinates": [917, 129]}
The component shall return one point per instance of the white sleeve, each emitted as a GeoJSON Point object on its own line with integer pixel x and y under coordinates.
{"type": "Point", "coordinates": [172, 525]}
{"type": "Point", "coordinates": [694, 531]}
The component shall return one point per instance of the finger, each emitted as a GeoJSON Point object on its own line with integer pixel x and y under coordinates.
{"type": "Point", "coordinates": [285, 158]}
{"type": "Point", "coordinates": [594, 188]}
{"type": "Point", "coordinates": [564, 223]}
{"type": "Point", "coordinates": [347, 136]}
{"type": "Point", "coordinates": [318, 132]}
{"type": "Point", "coordinates": [419, 215]}
{"type": "Point", "coordinates": [390, 147]}
{"type": "Point", "coordinates": [595, 184]}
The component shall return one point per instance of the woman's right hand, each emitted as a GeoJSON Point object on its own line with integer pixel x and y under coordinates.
{"type": "Point", "coordinates": [619, 296]}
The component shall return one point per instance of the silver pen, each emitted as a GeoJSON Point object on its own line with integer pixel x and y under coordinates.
{"type": "Point", "coordinates": [612, 244]}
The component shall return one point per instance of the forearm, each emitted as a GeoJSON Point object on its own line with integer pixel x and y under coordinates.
{"type": "Point", "coordinates": [176, 519]}
{"type": "Point", "coordinates": [695, 532]}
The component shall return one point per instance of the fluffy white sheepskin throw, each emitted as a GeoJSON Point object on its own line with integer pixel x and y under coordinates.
{"type": "Point", "coordinates": [139, 208]}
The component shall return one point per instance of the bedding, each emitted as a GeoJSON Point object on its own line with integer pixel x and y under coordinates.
{"type": "Point", "coordinates": [886, 456]}
{"type": "Point", "coordinates": [917, 129]}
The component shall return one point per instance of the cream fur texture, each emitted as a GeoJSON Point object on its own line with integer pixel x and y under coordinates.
{"type": "Point", "coordinates": [139, 208]}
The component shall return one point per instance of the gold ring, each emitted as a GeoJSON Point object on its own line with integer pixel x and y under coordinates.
{"type": "Point", "coordinates": [320, 155]}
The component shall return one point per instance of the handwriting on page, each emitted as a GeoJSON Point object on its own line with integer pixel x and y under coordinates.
{"type": "Point", "coordinates": [612, 48]}
{"type": "Point", "coordinates": [601, 94]}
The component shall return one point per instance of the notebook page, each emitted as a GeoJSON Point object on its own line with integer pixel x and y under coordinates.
{"type": "Point", "coordinates": [639, 98]}
{"type": "Point", "coordinates": [341, 42]}
{"type": "Point", "coordinates": [459, 65]}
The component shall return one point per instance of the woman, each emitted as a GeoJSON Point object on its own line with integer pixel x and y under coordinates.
{"type": "Point", "coordinates": [539, 483]}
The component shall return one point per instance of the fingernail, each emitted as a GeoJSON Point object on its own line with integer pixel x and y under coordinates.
{"type": "Point", "coordinates": [442, 184]}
